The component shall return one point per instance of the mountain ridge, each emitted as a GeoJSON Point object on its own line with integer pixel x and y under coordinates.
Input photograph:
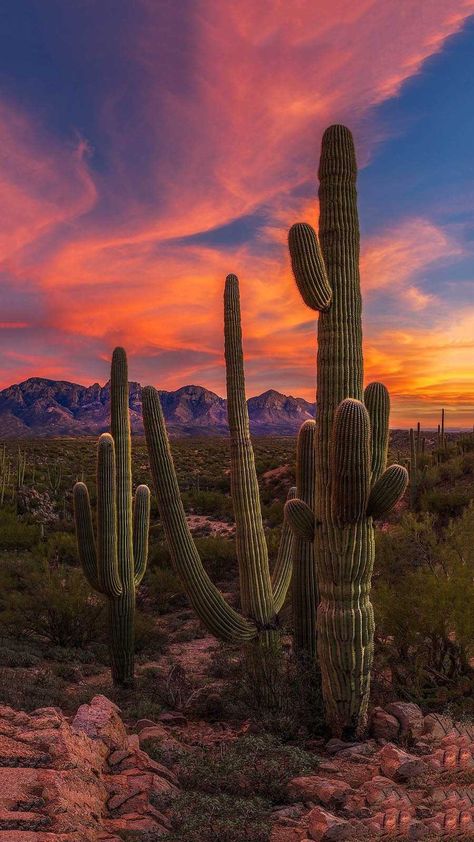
{"type": "Point", "coordinates": [40, 406]}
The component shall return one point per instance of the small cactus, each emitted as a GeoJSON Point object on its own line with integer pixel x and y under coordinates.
{"type": "Point", "coordinates": [115, 564]}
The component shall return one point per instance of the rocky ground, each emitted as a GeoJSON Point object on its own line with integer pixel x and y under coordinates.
{"type": "Point", "coordinates": [86, 778]}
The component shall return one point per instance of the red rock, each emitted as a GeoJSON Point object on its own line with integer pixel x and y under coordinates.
{"type": "Point", "coordinates": [384, 726]}
{"type": "Point", "coordinates": [329, 791]}
{"type": "Point", "coordinates": [437, 726]}
{"type": "Point", "coordinates": [398, 764]}
{"type": "Point", "coordinates": [144, 723]}
{"type": "Point", "coordinates": [324, 827]}
{"type": "Point", "coordinates": [410, 717]}
{"type": "Point", "coordinates": [100, 720]}
{"type": "Point", "coordinates": [173, 718]}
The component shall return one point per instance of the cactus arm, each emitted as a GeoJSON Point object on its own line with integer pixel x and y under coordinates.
{"type": "Point", "coordinates": [350, 462]}
{"type": "Point", "coordinates": [387, 491]}
{"type": "Point", "coordinates": [377, 402]}
{"type": "Point", "coordinates": [108, 572]}
{"type": "Point", "coordinates": [252, 553]}
{"type": "Point", "coordinates": [305, 588]}
{"type": "Point", "coordinates": [281, 576]}
{"type": "Point", "coordinates": [141, 525]}
{"type": "Point", "coordinates": [308, 267]}
{"type": "Point", "coordinates": [206, 599]}
{"type": "Point", "coordinates": [300, 519]}
{"type": "Point", "coordinates": [85, 534]}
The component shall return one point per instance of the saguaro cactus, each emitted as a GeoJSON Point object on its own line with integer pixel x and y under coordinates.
{"type": "Point", "coordinates": [262, 594]}
{"type": "Point", "coordinates": [352, 486]}
{"type": "Point", "coordinates": [116, 563]}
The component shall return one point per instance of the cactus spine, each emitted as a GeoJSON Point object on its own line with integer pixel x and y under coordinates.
{"type": "Point", "coordinates": [262, 595]}
{"type": "Point", "coordinates": [116, 563]}
{"type": "Point", "coordinates": [351, 483]}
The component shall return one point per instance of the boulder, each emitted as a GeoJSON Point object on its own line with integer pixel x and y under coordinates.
{"type": "Point", "coordinates": [329, 791]}
{"type": "Point", "coordinates": [324, 827]}
{"type": "Point", "coordinates": [410, 717]}
{"type": "Point", "coordinates": [100, 720]}
{"type": "Point", "coordinates": [384, 726]}
{"type": "Point", "coordinates": [399, 765]}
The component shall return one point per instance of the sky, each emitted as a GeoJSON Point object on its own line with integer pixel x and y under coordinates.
{"type": "Point", "coordinates": [150, 147]}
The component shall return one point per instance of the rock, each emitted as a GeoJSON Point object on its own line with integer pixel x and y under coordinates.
{"type": "Point", "coordinates": [144, 723]}
{"type": "Point", "coordinates": [324, 827]}
{"type": "Point", "coordinates": [116, 757]}
{"type": "Point", "coordinates": [358, 752]}
{"type": "Point", "coordinates": [58, 779]}
{"type": "Point", "coordinates": [410, 717]}
{"type": "Point", "coordinates": [100, 720]}
{"type": "Point", "coordinates": [173, 719]}
{"type": "Point", "coordinates": [384, 726]}
{"type": "Point", "coordinates": [395, 823]}
{"type": "Point", "coordinates": [399, 765]}
{"type": "Point", "coordinates": [334, 746]}
{"type": "Point", "coordinates": [437, 726]}
{"type": "Point", "coordinates": [329, 791]}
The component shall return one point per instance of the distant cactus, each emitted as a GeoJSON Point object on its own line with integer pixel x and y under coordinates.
{"type": "Point", "coordinates": [262, 595]}
{"type": "Point", "coordinates": [352, 485]}
{"type": "Point", "coordinates": [116, 563]}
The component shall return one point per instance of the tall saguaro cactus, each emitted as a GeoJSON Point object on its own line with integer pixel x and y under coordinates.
{"type": "Point", "coordinates": [115, 564]}
{"type": "Point", "coordinates": [352, 486]}
{"type": "Point", "coordinates": [262, 594]}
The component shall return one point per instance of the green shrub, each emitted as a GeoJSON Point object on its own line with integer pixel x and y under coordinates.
{"type": "Point", "coordinates": [445, 503]}
{"type": "Point", "coordinates": [208, 503]}
{"type": "Point", "coordinates": [149, 638]}
{"type": "Point", "coordinates": [250, 766]}
{"type": "Point", "coordinates": [217, 818]}
{"type": "Point", "coordinates": [61, 548]}
{"type": "Point", "coordinates": [218, 556]}
{"type": "Point", "coordinates": [425, 635]}
{"type": "Point", "coordinates": [164, 589]}
{"type": "Point", "coordinates": [25, 690]}
{"type": "Point", "coordinates": [16, 535]}
{"type": "Point", "coordinates": [53, 604]}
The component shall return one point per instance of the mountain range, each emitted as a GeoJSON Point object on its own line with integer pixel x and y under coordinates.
{"type": "Point", "coordinates": [41, 407]}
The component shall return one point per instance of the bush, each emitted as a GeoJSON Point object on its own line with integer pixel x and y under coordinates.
{"type": "Point", "coordinates": [149, 638]}
{"type": "Point", "coordinates": [164, 589]}
{"type": "Point", "coordinates": [24, 690]}
{"type": "Point", "coordinates": [424, 634]}
{"type": "Point", "coordinates": [208, 503]}
{"type": "Point", "coordinates": [218, 556]}
{"type": "Point", "coordinates": [208, 818]}
{"type": "Point", "coordinates": [61, 548]}
{"type": "Point", "coordinates": [16, 535]}
{"type": "Point", "coordinates": [51, 603]}
{"type": "Point", "coordinates": [251, 766]}
{"type": "Point", "coordinates": [445, 503]}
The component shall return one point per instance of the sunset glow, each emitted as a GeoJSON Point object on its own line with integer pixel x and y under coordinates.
{"type": "Point", "coordinates": [149, 149]}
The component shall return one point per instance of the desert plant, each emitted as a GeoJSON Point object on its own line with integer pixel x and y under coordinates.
{"type": "Point", "coordinates": [116, 566]}
{"type": "Point", "coordinates": [262, 595]}
{"type": "Point", "coordinates": [424, 632]}
{"type": "Point", "coordinates": [352, 485]}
